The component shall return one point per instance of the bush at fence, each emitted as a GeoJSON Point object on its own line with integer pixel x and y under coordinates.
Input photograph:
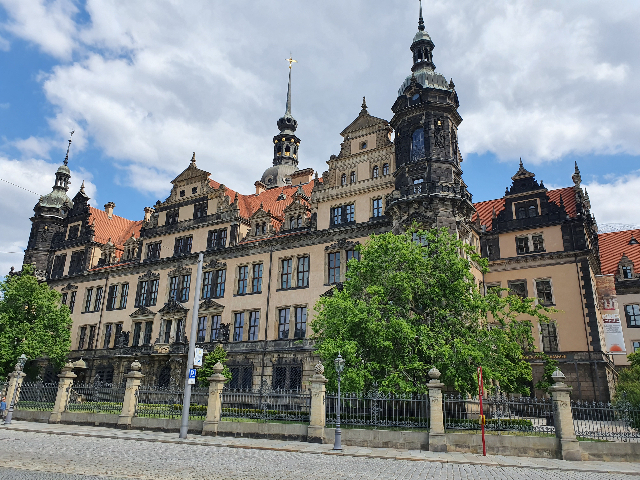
{"type": "Point", "coordinates": [491, 423]}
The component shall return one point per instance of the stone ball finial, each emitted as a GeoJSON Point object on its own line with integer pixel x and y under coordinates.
{"type": "Point", "coordinates": [68, 367]}
{"type": "Point", "coordinates": [434, 373]}
{"type": "Point", "coordinates": [136, 366]}
{"type": "Point", "coordinates": [218, 368]}
{"type": "Point", "coordinates": [319, 368]}
{"type": "Point", "coordinates": [557, 376]}
{"type": "Point", "coordinates": [80, 364]}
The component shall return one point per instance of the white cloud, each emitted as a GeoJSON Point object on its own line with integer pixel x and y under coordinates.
{"type": "Point", "coordinates": [4, 45]}
{"type": "Point", "coordinates": [17, 203]}
{"type": "Point", "coordinates": [614, 202]}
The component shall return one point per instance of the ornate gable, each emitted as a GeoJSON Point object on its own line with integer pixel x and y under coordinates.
{"type": "Point", "coordinates": [210, 305]}
{"type": "Point", "coordinates": [143, 312]}
{"type": "Point", "coordinates": [173, 306]}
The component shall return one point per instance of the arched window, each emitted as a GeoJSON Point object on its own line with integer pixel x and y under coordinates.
{"type": "Point", "coordinates": [279, 149]}
{"type": "Point", "coordinates": [299, 221]}
{"type": "Point", "coordinates": [257, 229]}
{"type": "Point", "coordinates": [522, 213]}
{"type": "Point", "coordinates": [292, 222]}
{"type": "Point", "coordinates": [374, 172]}
{"type": "Point", "coordinates": [385, 169]}
{"type": "Point", "coordinates": [417, 145]}
{"type": "Point", "coordinates": [264, 228]}
{"type": "Point", "coordinates": [343, 179]}
{"type": "Point", "coordinates": [287, 150]}
{"type": "Point", "coordinates": [533, 211]}
{"type": "Point", "coordinates": [352, 177]}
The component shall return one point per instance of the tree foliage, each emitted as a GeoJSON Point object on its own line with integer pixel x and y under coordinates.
{"type": "Point", "coordinates": [32, 322]}
{"type": "Point", "coordinates": [408, 306]}
{"type": "Point", "coordinates": [217, 355]}
{"type": "Point", "coordinates": [628, 389]}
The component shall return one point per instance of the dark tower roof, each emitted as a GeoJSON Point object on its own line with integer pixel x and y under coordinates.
{"type": "Point", "coordinates": [58, 196]}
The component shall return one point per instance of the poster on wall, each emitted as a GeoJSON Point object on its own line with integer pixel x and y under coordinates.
{"type": "Point", "coordinates": [611, 324]}
{"type": "Point", "coordinates": [613, 337]}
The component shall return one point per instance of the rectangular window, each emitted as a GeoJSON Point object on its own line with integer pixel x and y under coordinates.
{"type": "Point", "coordinates": [254, 322]}
{"type": "Point", "coordinates": [167, 330]}
{"type": "Point", "coordinates": [238, 326]}
{"type": "Point", "coordinates": [148, 329]}
{"type": "Point", "coordinates": [212, 239]}
{"type": "Point", "coordinates": [92, 336]}
{"type": "Point", "coordinates": [303, 272]}
{"type": "Point", "coordinates": [349, 213]}
{"type": "Point", "coordinates": [200, 210]}
{"type": "Point", "coordinates": [112, 296]}
{"type": "Point", "coordinates": [82, 337]}
{"type": "Point", "coordinates": [543, 291]}
{"type": "Point", "coordinates": [220, 278]}
{"type": "Point", "coordinates": [137, 329]}
{"type": "Point", "coordinates": [142, 295]}
{"type": "Point", "coordinates": [207, 281]}
{"type": "Point", "coordinates": [352, 254]}
{"type": "Point", "coordinates": [107, 335]}
{"type": "Point", "coordinates": [334, 267]}
{"type": "Point", "coordinates": [518, 287]}
{"type": "Point", "coordinates": [87, 302]}
{"type": "Point", "coordinates": [538, 243]}
{"type": "Point", "coordinates": [118, 335]}
{"type": "Point", "coordinates": [223, 238]}
{"type": "Point", "coordinates": [72, 302]}
{"type": "Point", "coordinates": [76, 265]}
{"type": "Point", "coordinates": [173, 288]}
{"type": "Point", "coordinates": [549, 337]}
{"type": "Point", "coordinates": [215, 327]}
{"type": "Point", "coordinates": [123, 296]}
{"type": "Point", "coordinates": [202, 329]}
{"type": "Point", "coordinates": [336, 215]}
{"type": "Point", "coordinates": [632, 313]}
{"type": "Point", "coordinates": [152, 297]}
{"type": "Point", "coordinates": [184, 288]}
{"type": "Point", "coordinates": [301, 322]}
{"type": "Point", "coordinates": [377, 207]}
{"type": "Point", "coordinates": [256, 281]}
{"type": "Point", "coordinates": [522, 245]}
{"type": "Point", "coordinates": [74, 231]}
{"type": "Point", "coordinates": [243, 274]}
{"type": "Point", "coordinates": [58, 266]}
{"type": "Point", "coordinates": [153, 250]}
{"type": "Point", "coordinates": [627, 271]}
{"type": "Point", "coordinates": [63, 300]}
{"type": "Point", "coordinates": [283, 323]}
{"type": "Point", "coordinates": [182, 245]}
{"type": "Point", "coordinates": [285, 275]}
{"type": "Point", "coordinates": [635, 346]}
{"type": "Point", "coordinates": [172, 217]}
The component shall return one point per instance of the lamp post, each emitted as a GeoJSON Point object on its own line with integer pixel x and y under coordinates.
{"type": "Point", "coordinates": [337, 444]}
{"type": "Point", "coordinates": [19, 366]}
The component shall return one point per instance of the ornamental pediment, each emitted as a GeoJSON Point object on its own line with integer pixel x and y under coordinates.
{"type": "Point", "coordinates": [214, 265]}
{"type": "Point", "coordinates": [172, 306]}
{"type": "Point", "coordinates": [209, 304]}
{"type": "Point", "coordinates": [342, 244]}
{"type": "Point", "coordinates": [142, 312]}
{"type": "Point", "coordinates": [180, 270]}
{"type": "Point", "coordinates": [69, 287]}
{"type": "Point", "coordinates": [148, 276]}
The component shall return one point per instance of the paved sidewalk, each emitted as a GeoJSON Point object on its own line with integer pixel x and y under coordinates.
{"type": "Point", "coordinates": [312, 448]}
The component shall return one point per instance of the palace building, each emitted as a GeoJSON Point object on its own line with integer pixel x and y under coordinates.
{"type": "Point", "coordinates": [270, 254]}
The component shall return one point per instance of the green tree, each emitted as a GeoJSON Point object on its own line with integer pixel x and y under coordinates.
{"type": "Point", "coordinates": [32, 321]}
{"type": "Point", "coordinates": [408, 306]}
{"type": "Point", "coordinates": [628, 389]}
{"type": "Point", "coordinates": [217, 355]}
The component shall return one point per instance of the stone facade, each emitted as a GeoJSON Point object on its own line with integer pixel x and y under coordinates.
{"type": "Point", "coordinates": [270, 255]}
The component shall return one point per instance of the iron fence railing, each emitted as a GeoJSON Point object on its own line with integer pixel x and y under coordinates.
{"type": "Point", "coordinates": [37, 396]}
{"type": "Point", "coordinates": [605, 421]}
{"type": "Point", "coordinates": [95, 397]}
{"type": "Point", "coordinates": [166, 402]}
{"type": "Point", "coordinates": [504, 414]}
{"type": "Point", "coordinates": [379, 410]}
{"type": "Point", "coordinates": [266, 405]}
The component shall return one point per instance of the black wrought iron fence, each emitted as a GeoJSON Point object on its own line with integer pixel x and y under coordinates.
{"type": "Point", "coordinates": [379, 410]}
{"type": "Point", "coordinates": [266, 405]}
{"type": "Point", "coordinates": [37, 396]}
{"type": "Point", "coordinates": [166, 402]}
{"type": "Point", "coordinates": [95, 397]}
{"type": "Point", "coordinates": [504, 414]}
{"type": "Point", "coordinates": [605, 421]}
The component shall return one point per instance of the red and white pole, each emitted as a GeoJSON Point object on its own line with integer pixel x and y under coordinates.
{"type": "Point", "coordinates": [482, 419]}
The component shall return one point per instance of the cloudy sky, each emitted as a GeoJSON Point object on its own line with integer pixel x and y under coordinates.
{"type": "Point", "coordinates": [146, 83]}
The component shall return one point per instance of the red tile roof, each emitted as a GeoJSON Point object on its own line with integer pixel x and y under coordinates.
{"type": "Point", "coordinates": [615, 244]}
{"type": "Point", "coordinates": [485, 209]}
{"type": "Point", "coordinates": [116, 228]}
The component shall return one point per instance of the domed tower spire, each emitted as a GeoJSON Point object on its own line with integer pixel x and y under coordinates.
{"type": "Point", "coordinates": [420, 20]}
{"type": "Point", "coordinates": [422, 48]}
{"type": "Point", "coordinates": [285, 146]}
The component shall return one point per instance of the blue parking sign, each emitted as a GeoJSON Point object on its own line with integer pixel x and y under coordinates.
{"type": "Point", "coordinates": [192, 376]}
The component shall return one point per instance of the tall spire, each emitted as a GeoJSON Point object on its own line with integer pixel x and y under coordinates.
{"type": "Point", "coordinates": [421, 20]}
{"type": "Point", "coordinates": [66, 158]}
{"type": "Point", "coordinates": [286, 123]}
{"type": "Point", "coordinates": [291, 61]}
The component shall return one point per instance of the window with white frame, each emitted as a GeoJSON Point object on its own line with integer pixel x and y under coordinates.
{"type": "Point", "coordinates": [632, 312]}
{"type": "Point", "coordinates": [377, 207]}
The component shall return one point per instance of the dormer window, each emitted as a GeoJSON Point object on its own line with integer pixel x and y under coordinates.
{"type": "Point", "coordinates": [533, 211]}
{"type": "Point", "coordinates": [521, 212]}
{"type": "Point", "coordinates": [627, 271]}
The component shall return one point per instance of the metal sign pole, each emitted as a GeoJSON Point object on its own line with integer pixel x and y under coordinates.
{"type": "Point", "coordinates": [186, 403]}
{"type": "Point", "coordinates": [482, 417]}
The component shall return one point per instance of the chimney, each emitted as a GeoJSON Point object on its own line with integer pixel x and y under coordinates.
{"type": "Point", "coordinates": [260, 187]}
{"type": "Point", "coordinates": [147, 213]}
{"type": "Point", "coordinates": [108, 208]}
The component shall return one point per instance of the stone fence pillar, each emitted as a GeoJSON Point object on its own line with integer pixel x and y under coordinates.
{"type": "Point", "coordinates": [62, 397]}
{"type": "Point", "coordinates": [563, 419]}
{"type": "Point", "coordinates": [318, 412]}
{"type": "Point", "coordinates": [214, 404]}
{"type": "Point", "coordinates": [437, 437]}
{"type": "Point", "coordinates": [15, 382]}
{"type": "Point", "coordinates": [134, 378]}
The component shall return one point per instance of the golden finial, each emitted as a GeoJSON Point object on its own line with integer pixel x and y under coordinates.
{"type": "Point", "coordinates": [291, 61]}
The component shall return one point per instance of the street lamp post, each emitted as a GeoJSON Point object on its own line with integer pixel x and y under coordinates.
{"type": "Point", "coordinates": [19, 366]}
{"type": "Point", "coordinates": [337, 444]}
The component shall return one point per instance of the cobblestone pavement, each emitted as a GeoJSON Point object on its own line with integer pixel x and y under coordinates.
{"type": "Point", "coordinates": [35, 456]}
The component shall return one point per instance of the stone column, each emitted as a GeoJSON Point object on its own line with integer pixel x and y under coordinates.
{"type": "Point", "coordinates": [214, 404]}
{"type": "Point", "coordinates": [563, 419]}
{"type": "Point", "coordinates": [437, 437]}
{"type": "Point", "coordinates": [134, 378]}
{"type": "Point", "coordinates": [62, 398]}
{"type": "Point", "coordinates": [15, 382]}
{"type": "Point", "coordinates": [318, 412]}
